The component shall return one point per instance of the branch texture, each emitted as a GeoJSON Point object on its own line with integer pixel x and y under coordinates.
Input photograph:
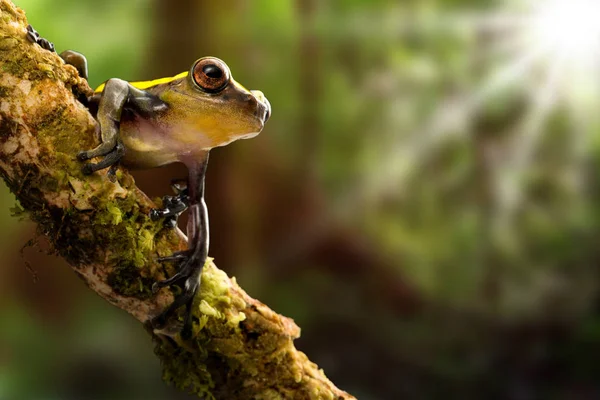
{"type": "Point", "coordinates": [241, 349]}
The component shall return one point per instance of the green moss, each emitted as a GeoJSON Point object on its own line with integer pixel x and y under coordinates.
{"type": "Point", "coordinates": [269, 394]}
{"type": "Point", "coordinates": [5, 91]}
{"type": "Point", "coordinates": [23, 65]}
{"type": "Point", "coordinates": [121, 231]}
{"type": "Point", "coordinates": [126, 280]}
{"type": "Point", "coordinates": [9, 12]}
{"type": "Point", "coordinates": [50, 121]}
{"type": "Point", "coordinates": [145, 240]}
{"type": "Point", "coordinates": [130, 206]}
{"type": "Point", "coordinates": [23, 68]}
{"type": "Point", "coordinates": [165, 240]}
{"type": "Point", "coordinates": [114, 215]}
{"type": "Point", "coordinates": [131, 236]}
{"type": "Point", "coordinates": [186, 370]}
{"type": "Point", "coordinates": [235, 320]}
{"type": "Point", "coordinates": [215, 287]}
{"type": "Point", "coordinates": [201, 323]}
{"type": "Point", "coordinates": [208, 310]}
{"type": "Point", "coordinates": [48, 183]}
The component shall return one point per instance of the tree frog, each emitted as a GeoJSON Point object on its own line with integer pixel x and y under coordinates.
{"type": "Point", "coordinates": [177, 119]}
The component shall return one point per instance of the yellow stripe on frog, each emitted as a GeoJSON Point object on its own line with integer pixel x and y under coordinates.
{"type": "Point", "coordinates": [147, 84]}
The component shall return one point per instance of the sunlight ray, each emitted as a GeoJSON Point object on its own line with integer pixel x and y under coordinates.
{"type": "Point", "coordinates": [543, 100]}
{"type": "Point", "coordinates": [510, 46]}
{"type": "Point", "coordinates": [450, 120]}
{"type": "Point", "coordinates": [509, 177]}
{"type": "Point", "coordinates": [507, 75]}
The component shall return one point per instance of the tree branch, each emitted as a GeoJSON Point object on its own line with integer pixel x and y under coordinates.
{"type": "Point", "coordinates": [241, 349]}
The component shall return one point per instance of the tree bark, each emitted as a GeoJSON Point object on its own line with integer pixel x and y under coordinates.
{"type": "Point", "coordinates": [241, 349]}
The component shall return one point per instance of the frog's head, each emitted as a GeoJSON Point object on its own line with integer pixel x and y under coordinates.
{"type": "Point", "coordinates": [217, 107]}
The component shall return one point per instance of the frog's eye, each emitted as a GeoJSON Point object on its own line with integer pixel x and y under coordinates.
{"type": "Point", "coordinates": [211, 74]}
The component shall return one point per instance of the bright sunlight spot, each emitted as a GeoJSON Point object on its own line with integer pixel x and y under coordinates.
{"type": "Point", "coordinates": [569, 28]}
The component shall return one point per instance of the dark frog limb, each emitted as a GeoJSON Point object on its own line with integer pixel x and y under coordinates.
{"type": "Point", "coordinates": [192, 261]}
{"type": "Point", "coordinates": [173, 206]}
{"type": "Point", "coordinates": [116, 93]}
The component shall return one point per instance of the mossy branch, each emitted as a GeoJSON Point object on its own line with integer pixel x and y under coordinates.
{"type": "Point", "coordinates": [241, 349]}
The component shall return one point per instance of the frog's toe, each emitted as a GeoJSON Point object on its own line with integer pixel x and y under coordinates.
{"type": "Point", "coordinates": [87, 169]}
{"type": "Point", "coordinates": [170, 222]}
{"type": "Point", "coordinates": [183, 258]}
{"type": "Point", "coordinates": [185, 298]}
{"type": "Point", "coordinates": [173, 207]}
{"type": "Point", "coordinates": [174, 280]}
{"type": "Point", "coordinates": [112, 173]}
{"type": "Point", "coordinates": [155, 214]}
{"type": "Point", "coordinates": [156, 286]}
{"type": "Point", "coordinates": [188, 279]}
{"type": "Point", "coordinates": [83, 156]}
{"type": "Point", "coordinates": [34, 37]}
{"type": "Point", "coordinates": [111, 159]}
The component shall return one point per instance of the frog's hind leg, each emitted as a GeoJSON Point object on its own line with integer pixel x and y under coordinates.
{"type": "Point", "coordinates": [173, 206]}
{"type": "Point", "coordinates": [191, 262]}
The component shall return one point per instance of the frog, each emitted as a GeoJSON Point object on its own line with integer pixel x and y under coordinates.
{"type": "Point", "coordinates": [148, 124]}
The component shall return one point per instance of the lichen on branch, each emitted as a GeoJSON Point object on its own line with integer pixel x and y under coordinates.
{"type": "Point", "coordinates": [240, 349]}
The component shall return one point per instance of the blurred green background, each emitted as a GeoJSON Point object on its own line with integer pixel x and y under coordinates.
{"type": "Point", "coordinates": [422, 201]}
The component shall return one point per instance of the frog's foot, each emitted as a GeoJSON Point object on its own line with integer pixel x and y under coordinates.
{"type": "Point", "coordinates": [173, 206]}
{"type": "Point", "coordinates": [35, 37]}
{"type": "Point", "coordinates": [188, 279]}
{"type": "Point", "coordinates": [111, 159]}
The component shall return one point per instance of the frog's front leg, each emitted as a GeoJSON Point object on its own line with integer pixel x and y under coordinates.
{"type": "Point", "coordinates": [191, 261]}
{"type": "Point", "coordinates": [115, 95]}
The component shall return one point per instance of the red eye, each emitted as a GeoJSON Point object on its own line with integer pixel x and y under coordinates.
{"type": "Point", "coordinates": [211, 74]}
